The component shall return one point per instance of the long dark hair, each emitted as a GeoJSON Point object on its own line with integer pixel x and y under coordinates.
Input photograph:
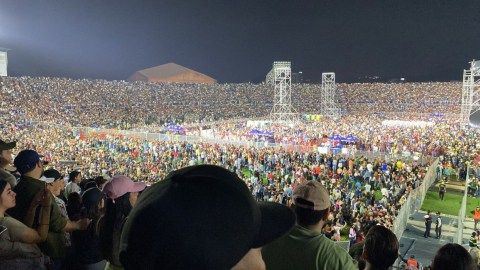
{"type": "Point", "coordinates": [3, 184]}
{"type": "Point", "coordinates": [74, 206]}
{"type": "Point", "coordinates": [115, 215]}
{"type": "Point", "coordinates": [93, 212]}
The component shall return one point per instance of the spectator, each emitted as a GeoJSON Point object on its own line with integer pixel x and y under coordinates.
{"type": "Point", "coordinates": [122, 194]}
{"type": "Point", "coordinates": [101, 181]}
{"type": "Point", "coordinates": [6, 160]}
{"type": "Point", "coordinates": [74, 178]}
{"type": "Point", "coordinates": [30, 167]}
{"type": "Point", "coordinates": [356, 250]}
{"type": "Point", "coordinates": [304, 247]}
{"type": "Point", "coordinates": [87, 243]}
{"type": "Point", "coordinates": [18, 249]}
{"type": "Point", "coordinates": [55, 188]}
{"type": "Point", "coordinates": [381, 248]}
{"type": "Point", "coordinates": [176, 230]}
{"type": "Point", "coordinates": [412, 262]}
{"type": "Point", "coordinates": [453, 256]}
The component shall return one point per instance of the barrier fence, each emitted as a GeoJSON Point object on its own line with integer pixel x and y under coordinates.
{"type": "Point", "coordinates": [458, 236]}
{"type": "Point", "coordinates": [414, 200]}
{"type": "Point", "coordinates": [345, 152]}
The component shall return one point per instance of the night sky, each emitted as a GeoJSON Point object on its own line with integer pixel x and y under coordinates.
{"type": "Point", "coordinates": [237, 41]}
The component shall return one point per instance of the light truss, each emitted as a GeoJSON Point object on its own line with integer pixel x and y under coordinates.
{"type": "Point", "coordinates": [470, 92]}
{"type": "Point", "coordinates": [283, 111]}
{"type": "Point", "coordinates": [329, 107]}
{"type": "Point", "coordinates": [270, 80]}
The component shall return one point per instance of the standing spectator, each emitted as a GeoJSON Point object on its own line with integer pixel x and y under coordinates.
{"type": "Point", "coordinates": [304, 247]}
{"type": "Point", "coordinates": [5, 160]}
{"type": "Point", "coordinates": [381, 248]}
{"type": "Point", "coordinates": [185, 235]}
{"type": "Point", "coordinates": [74, 178]}
{"type": "Point", "coordinates": [442, 188]}
{"type": "Point", "coordinates": [472, 243]}
{"type": "Point", "coordinates": [356, 249]}
{"type": "Point", "coordinates": [453, 256]}
{"type": "Point", "coordinates": [30, 167]}
{"type": "Point", "coordinates": [18, 249]}
{"type": "Point", "coordinates": [122, 194]}
{"type": "Point", "coordinates": [87, 243]}
{"type": "Point", "coordinates": [352, 234]}
{"type": "Point", "coordinates": [338, 228]}
{"type": "Point", "coordinates": [438, 226]}
{"type": "Point", "coordinates": [428, 223]}
{"type": "Point", "coordinates": [476, 216]}
{"type": "Point", "coordinates": [55, 188]}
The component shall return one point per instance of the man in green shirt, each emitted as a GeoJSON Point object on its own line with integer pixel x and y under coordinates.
{"type": "Point", "coordinates": [305, 247]}
{"type": "Point", "coordinates": [30, 166]}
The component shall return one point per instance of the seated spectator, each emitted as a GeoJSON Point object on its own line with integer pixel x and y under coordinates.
{"type": "Point", "coordinates": [304, 247]}
{"type": "Point", "coordinates": [201, 217]}
{"type": "Point", "coordinates": [122, 194]}
{"type": "Point", "coordinates": [87, 243]}
{"type": "Point", "coordinates": [381, 248]}
{"type": "Point", "coordinates": [18, 249]}
{"type": "Point", "coordinates": [453, 256]}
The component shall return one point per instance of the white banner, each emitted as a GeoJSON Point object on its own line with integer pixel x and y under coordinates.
{"type": "Point", "coordinates": [3, 63]}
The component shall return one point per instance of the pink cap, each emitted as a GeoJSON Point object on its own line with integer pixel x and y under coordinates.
{"type": "Point", "coordinates": [120, 185]}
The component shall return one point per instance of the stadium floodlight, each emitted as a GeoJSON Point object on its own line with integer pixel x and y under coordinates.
{"type": "Point", "coordinates": [476, 67]}
{"type": "Point", "coordinates": [470, 92]}
{"type": "Point", "coordinates": [283, 111]}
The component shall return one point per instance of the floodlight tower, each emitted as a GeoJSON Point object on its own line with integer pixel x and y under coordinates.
{"type": "Point", "coordinates": [470, 92]}
{"type": "Point", "coordinates": [283, 111]}
{"type": "Point", "coordinates": [329, 106]}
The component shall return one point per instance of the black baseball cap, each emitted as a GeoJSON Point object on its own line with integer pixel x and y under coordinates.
{"type": "Point", "coordinates": [7, 146]}
{"type": "Point", "coordinates": [52, 173]}
{"type": "Point", "coordinates": [26, 160]}
{"type": "Point", "coordinates": [199, 217]}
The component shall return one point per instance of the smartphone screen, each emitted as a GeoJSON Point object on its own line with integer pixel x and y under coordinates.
{"type": "Point", "coordinates": [2, 229]}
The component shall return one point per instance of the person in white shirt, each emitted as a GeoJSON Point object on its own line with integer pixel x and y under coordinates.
{"type": "Point", "coordinates": [438, 227]}
{"type": "Point", "coordinates": [74, 178]}
{"type": "Point", "coordinates": [368, 187]}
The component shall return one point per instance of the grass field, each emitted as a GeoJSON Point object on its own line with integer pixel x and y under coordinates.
{"type": "Point", "coordinates": [450, 205]}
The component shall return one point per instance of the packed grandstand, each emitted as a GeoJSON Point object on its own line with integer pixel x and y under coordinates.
{"type": "Point", "coordinates": [89, 131]}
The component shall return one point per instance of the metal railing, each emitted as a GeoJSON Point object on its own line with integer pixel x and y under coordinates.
{"type": "Point", "coordinates": [414, 200]}
{"type": "Point", "coordinates": [345, 152]}
{"type": "Point", "coordinates": [458, 236]}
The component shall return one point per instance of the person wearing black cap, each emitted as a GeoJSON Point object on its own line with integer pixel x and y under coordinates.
{"type": "Point", "coordinates": [305, 247]}
{"type": "Point", "coordinates": [5, 160]}
{"type": "Point", "coordinates": [30, 166]}
{"type": "Point", "coordinates": [201, 217]}
{"type": "Point", "coordinates": [86, 243]}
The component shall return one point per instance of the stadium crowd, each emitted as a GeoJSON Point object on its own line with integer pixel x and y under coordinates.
{"type": "Point", "coordinates": [126, 193]}
{"type": "Point", "coordinates": [127, 105]}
